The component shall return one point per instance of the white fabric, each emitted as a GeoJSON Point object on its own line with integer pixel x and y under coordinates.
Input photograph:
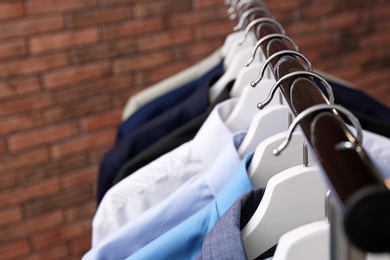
{"type": "Point", "coordinates": [196, 71]}
{"type": "Point", "coordinates": [378, 149]}
{"type": "Point", "coordinates": [154, 182]}
{"type": "Point", "coordinates": [375, 145]}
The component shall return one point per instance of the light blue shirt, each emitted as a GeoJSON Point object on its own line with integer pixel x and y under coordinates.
{"type": "Point", "coordinates": [191, 197]}
{"type": "Point", "coordinates": [185, 240]}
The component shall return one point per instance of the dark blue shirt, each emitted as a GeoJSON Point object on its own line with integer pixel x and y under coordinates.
{"type": "Point", "coordinates": [359, 102]}
{"type": "Point", "coordinates": [164, 103]}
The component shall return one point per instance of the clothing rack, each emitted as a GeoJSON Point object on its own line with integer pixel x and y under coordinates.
{"type": "Point", "coordinates": [360, 193]}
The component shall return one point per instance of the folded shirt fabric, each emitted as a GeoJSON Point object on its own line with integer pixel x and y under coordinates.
{"type": "Point", "coordinates": [148, 133]}
{"type": "Point", "coordinates": [171, 141]}
{"type": "Point", "coordinates": [185, 240]}
{"type": "Point", "coordinates": [151, 184]}
{"type": "Point", "coordinates": [191, 197]}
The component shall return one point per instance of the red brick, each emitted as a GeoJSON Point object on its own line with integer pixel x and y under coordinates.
{"type": "Point", "coordinates": [343, 20]}
{"type": "Point", "coordinates": [101, 16]}
{"type": "Point", "coordinates": [17, 87]}
{"type": "Point", "coordinates": [96, 155]}
{"type": "Point", "coordinates": [203, 3]}
{"type": "Point", "coordinates": [80, 246]}
{"type": "Point", "coordinates": [160, 74]}
{"type": "Point", "coordinates": [30, 192]}
{"type": "Point", "coordinates": [32, 65]}
{"type": "Point", "coordinates": [57, 252]}
{"type": "Point", "coordinates": [24, 160]}
{"type": "Point", "coordinates": [41, 136]}
{"type": "Point", "coordinates": [277, 6]}
{"type": "Point", "coordinates": [39, 6]}
{"type": "Point", "coordinates": [7, 181]}
{"type": "Point", "coordinates": [134, 27]}
{"type": "Point", "coordinates": [32, 25]}
{"type": "Point", "coordinates": [301, 28]}
{"type": "Point", "coordinates": [82, 144]}
{"type": "Point", "coordinates": [51, 169]}
{"type": "Point", "coordinates": [119, 100]}
{"type": "Point", "coordinates": [160, 7]}
{"type": "Point", "coordinates": [191, 18]}
{"type": "Point", "coordinates": [64, 199]}
{"type": "Point", "coordinates": [32, 226]}
{"type": "Point", "coordinates": [9, 216]}
{"type": "Point", "coordinates": [77, 74]}
{"type": "Point", "coordinates": [79, 108]}
{"type": "Point", "coordinates": [103, 120]}
{"type": "Point", "coordinates": [79, 177]}
{"type": "Point", "coordinates": [103, 85]}
{"type": "Point", "coordinates": [201, 49]}
{"type": "Point", "coordinates": [117, 48]}
{"type": "Point", "coordinates": [64, 40]}
{"type": "Point", "coordinates": [374, 40]}
{"type": "Point", "coordinates": [3, 148]}
{"type": "Point", "coordinates": [63, 234]}
{"type": "Point", "coordinates": [165, 39]}
{"type": "Point", "coordinates": [30, 103]}
{"type": "Point", "coordinates": [213, 30]}
{"type": "Point", "coordinates": [12, 48]}
{"type": "Point", "coordinates": [84, 211]}
{"type": "Point", "coordinates": [142, 62]}
{"type": "Point", "coordinates": [11, 9]}
{"type": "Point", "coordinates": [18, 123]}
{"type": "Point", "coordinates": [16, 250]}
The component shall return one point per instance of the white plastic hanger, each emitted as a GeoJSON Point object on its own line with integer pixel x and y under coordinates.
{"type": "Point", "coordinates": [310, 241]}
{"type": "Point", "coordinates": [246, 108]}
{"type": "Point", "coordinates": [302, 201]}
{"type": "Point", "coordinates": [265, 122]}
{"type": "Point", "coordinates": [274, 119]}
{"type": "Point", "coordinates": [265, 164]}
{"type": "Point", "coordinates": [292, 198]}
{"type": "Point", "coordinates": [229, 40]}
{"type": "Point", "coordinates": [243, 114]}
{"type": "Point", "coordinates": [234, 48]}
{"type": "Point", "coordinates": [244, 78]}
{"type": "Point", "coordinates": [230, 74]}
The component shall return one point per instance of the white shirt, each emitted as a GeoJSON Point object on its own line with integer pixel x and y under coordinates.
{"type": "Point", "coordinates": [171, 83]}
{"type": "Point", "coordinates": [154, 182]}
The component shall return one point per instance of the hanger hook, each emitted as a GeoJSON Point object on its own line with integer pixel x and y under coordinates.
{"type": "Point", "coordinates": [292, 74]}
{"type": "Point", "coordinates": [268, 37]}
{"type": "Point", "coordinates": [340, 146]}
{"type": "Point", "coordinates": [232, 8]}
{"type": "Point", "coordinates": [247, 13]}
{"type": "Point", "coordinates": [280, 53]}
{"type": "Point", "coordinates": [242, 4]}
{"type": "Point", "coordinates": [257, 21]}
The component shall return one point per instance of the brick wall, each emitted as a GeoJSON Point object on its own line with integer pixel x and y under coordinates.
{"type": "Point", "coordinates": [68, 67]}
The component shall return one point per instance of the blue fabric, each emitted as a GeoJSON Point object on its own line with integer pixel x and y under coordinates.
{"type": "Point", "coordinates": [150, 132]}
{"type": "Point", "coordinates": [164, 103]}
{"type": "Point", "coordinates": [191, 197]}
{"type": "Point", "coordinates": [358, 101]}
{"type": "Point", "coordinates": [185, 240]}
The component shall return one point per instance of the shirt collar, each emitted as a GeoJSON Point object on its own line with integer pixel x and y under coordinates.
{"type": "Point", "coordinates": [214, 133]}
{"type": "Point", "coordinates": [225, 164]}
{"type": "Point", "coordinates": [237, 185]}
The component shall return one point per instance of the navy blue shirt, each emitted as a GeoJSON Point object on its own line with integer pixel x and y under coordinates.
{"type": "Point", "coordinates": [359, 102]}
{"type": "Point", "coordinates": [164, 103]}
{"type": "Point", "coordinates": [151, 131]}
